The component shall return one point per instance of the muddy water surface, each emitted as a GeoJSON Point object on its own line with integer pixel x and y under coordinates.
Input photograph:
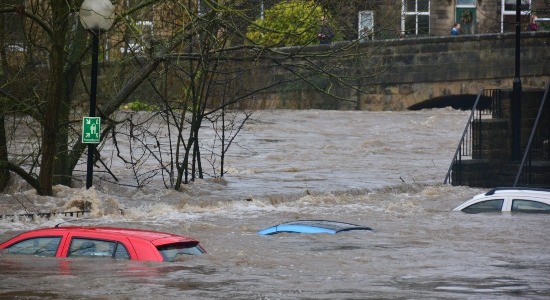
{"type": "Point", "coordinates": [379, 169]}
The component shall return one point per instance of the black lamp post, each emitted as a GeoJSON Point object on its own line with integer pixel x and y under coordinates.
{"type": "Point", "coordinates": [516, 101]}
{"type": "Point", "coordinates": [97, 16]}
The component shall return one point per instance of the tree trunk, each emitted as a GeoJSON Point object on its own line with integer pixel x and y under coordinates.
{"type": "Point", "coordinates": [60, 13]}
{"type": "Point", "coordinates": [4, 173]}
{"type": "Point", "coordinates": [63, 168]}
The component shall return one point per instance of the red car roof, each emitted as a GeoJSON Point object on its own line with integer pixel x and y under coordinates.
{"type": "Point", "coordinates": [154, 237]}
{"type": "Point", "coordinates": [140, 244]}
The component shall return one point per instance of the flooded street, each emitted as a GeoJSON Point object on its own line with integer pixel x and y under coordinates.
{"type": "Point", "coordinates": [384, 170]}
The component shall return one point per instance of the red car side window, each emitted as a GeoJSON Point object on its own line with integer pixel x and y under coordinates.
{"type": "Point", "coordinates": [40, 246]}
{"type": "Point", "coordinates": [97, 248]}
{"type": "Point", "coordinates": [121, 252]}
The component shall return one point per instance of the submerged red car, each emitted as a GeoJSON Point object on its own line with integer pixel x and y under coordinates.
{"type": "Point", "coordinates": [113, 242]}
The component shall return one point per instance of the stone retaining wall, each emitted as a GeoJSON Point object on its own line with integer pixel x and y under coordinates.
{"type": "Point", "coordinates": [426, 68]}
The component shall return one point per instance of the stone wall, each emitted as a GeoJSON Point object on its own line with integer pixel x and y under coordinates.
{"type": "Point", "coordinates": [417, 70]}
{"type": "Point", "coordinates": [426, 68]}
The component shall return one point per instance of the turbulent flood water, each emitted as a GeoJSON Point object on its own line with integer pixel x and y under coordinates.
{"type": "Point", "coordinates": [384, 170]}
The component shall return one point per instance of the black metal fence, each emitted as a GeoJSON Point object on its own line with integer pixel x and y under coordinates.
{"type": "Point", "coordinates": [538, 145]}
{"type": "Point", "coordinates": [48, 215]}
{"type": "Point", "coordinates": [487, 103]}
{"type": "Point", "coordinates": [536, 153]}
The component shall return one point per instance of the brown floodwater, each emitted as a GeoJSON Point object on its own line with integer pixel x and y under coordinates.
{"type": "Point", "coordinates": [379, 169]}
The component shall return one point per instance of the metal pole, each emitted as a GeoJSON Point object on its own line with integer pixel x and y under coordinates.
{"type": "Point", "coordinates": [516, 102]}
{"type": "Point", "coordinates": [93, 92]}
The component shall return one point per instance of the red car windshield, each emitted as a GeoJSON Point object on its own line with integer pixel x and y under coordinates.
{"type": "Point", "coordinates": [173, 252]}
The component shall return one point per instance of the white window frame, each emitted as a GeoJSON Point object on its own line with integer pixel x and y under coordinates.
{"type": "Point", "coordinates": [365, 18]}
{"type": "Point", "coordinates": [137, 46]}
{"type": "Point", "coordinates": [415, 13]}
{"type": "Point", "coordinates": [504, 12]}
{"type": "Point", "coordinates": [467, 5]}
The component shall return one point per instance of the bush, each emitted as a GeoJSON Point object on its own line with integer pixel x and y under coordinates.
{"type": "Point", "coordinates": [288, 23]}
{"type": "Point", "coordinates": [141, 106]}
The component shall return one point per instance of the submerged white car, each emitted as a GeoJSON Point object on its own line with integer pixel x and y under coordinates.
{"type": "Point", "coordinates": [531, 200]}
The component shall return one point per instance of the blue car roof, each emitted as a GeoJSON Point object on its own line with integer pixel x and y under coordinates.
{"type": "Point", "coordinates": [312, 226]}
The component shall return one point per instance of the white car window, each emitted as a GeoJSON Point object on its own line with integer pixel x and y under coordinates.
{"type": "Point", "coordinates": [520, 205]}
{"type": "Point", "coordinates": [493, 205]}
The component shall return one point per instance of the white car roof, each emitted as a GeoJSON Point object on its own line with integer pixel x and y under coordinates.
{"type": "Point", "coordinates": [539, 194]}
{"type": "Point", "coordinates": [533, 192]}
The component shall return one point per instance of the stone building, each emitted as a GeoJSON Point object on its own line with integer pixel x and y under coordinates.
{"type": "Point", "coordinates": [436, 18]}
{"type": "Point", "coordinates": [374, 19]}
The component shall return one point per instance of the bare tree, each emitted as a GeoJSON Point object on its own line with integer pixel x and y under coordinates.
{"type": "Point", "coordinates": [188, 60]}
{"type": "Point", "coordinates": [4, 173]}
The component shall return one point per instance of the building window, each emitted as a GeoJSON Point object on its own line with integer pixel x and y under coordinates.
{"type": "Point", "coordinates": [366, 25]}
{"type": "Point", "coordinates": [466, 15]}
{"type": "Point", "coordinates": [139, 37]}
{"type": "Point", "coordinates": [465, 3]}
{"type": "Point", "coordinates": [415, 18]}
{"type": "Point", "coordinates": [508, 14]}
{"type": "Point", "coordinates": [510, 5]}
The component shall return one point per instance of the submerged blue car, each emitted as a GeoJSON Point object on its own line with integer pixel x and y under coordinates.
{"type": "Point", "coordinates": [312, 226]}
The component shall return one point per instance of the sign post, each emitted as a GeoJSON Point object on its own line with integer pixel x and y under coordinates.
{"type": "Point", "coordinates": [90, 130]}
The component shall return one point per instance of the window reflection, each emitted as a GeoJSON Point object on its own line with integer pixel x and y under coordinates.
{"type": "Point", "coordinates": [519, 205]}
{"type": "Point", "coordinates": [423, 5]}
{"type": "Point", "coordinates": [174, 251]}
{"type": "Point", "coordinates": [416, 17]}
{"type": "Point", "coordinates": [97, 248]}
{"type": "Point", "coordinates": [485, 206]}
{"type": "Point", "coordinates": [42, 246]}
{"type": "Point", "coordinates": [466, 2]}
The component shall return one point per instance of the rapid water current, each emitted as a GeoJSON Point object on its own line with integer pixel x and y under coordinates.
{"type": "Point", "coordinates": [384, 170]}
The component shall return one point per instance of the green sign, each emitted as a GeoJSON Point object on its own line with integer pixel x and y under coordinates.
{"type": "Point", "coordinates": [90, 130]}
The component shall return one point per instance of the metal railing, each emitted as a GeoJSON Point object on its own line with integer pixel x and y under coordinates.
{"type": "Point", "coordinates": [537, 146]}
{"type": "Point", "coordinates": [48, 215]}
{"type": "Point", "coordinates": [488, 103]}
